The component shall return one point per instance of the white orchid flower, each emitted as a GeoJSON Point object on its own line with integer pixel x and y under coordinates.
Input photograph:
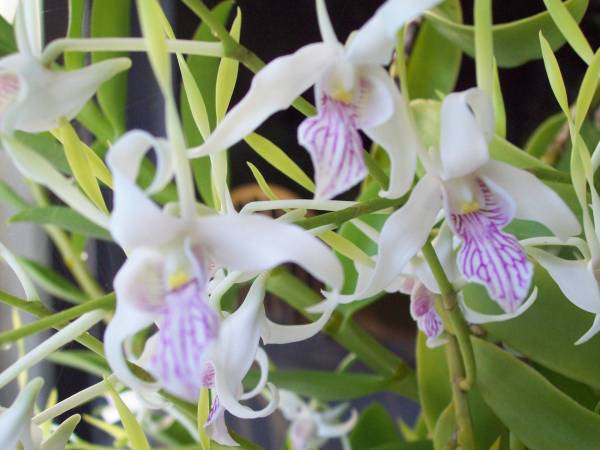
{"type": "Point", "coordinates": [310, 427]}
{"type": "Point", "coordinates": [17, 430]}
{"type": "Point", "coordinates": [353, 93]}
{"type": "Point", "coordinates": [34, 98]}
{"type": "Point", "coordinates": [479, 197]}
{"type": "Point", "coordinates": [165, 282]}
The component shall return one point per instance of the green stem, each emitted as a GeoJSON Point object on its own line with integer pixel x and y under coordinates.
{"type": "Point", "coordinates": [457, 325]}
{"type": "Point", "coordinates": [38, 309]}
{"type": "Point", "coordinates": [375, 171]}
{"type": "Point", "coordinates": [58, 319]}
{"type": "Point", "coordinates": [70, 257]}
{"type": "Point", "coordinates": [346, 214]}
{"type": "Point", "coordinates": [465, 435]}
{"type": "Point", "coordinates": [127, 44]}
{"type": "Point", "coordinates": [484, 45]}
{"type": "Point", "coordinates": [515, 443]}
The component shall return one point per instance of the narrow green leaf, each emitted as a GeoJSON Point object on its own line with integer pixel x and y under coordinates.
{"type": "Point", "coordinates": [7, 38]}
{"type": "Point", "coordinates": [445, 429]}
{"type": "Point", "coordinates": [262, 183]}
{"type": "Point", "coordinates": [346, 247]}
{"type": "Point", "coordinates": [538, 413]}
{"type": "Point", "coordinates": [111, 18]}
{"type": "Point", "coordinates": [83, 360]}
{"type": "Point", "coordinates": [279, 159]}
{"type": "Point", "coordinates": [498, 101]}
{"type": "Point", "coordinates": [203, 412]}
{"type": "Point", "coordinates": [569, 28]}
{"type": "Point", "coordinates": [514, 42]}
{"type": "Point", "coordinates": [227, 73]}
{"type": "Point", "coordinates": [432, 51]}
{"type": "Point", "coordinates": [63, 217]}
{"type": "Point", "coordinates": [135, 433]}
{"type": "Point", "coordinates": [75, 60]}
{"type": "Point", "coordinates": [554, 75]}
{"type": "Point", "coordinates": [375, 427]}
{"type": "Point", "coordinates": [52, 282]}
{"type": "Point", "coordinates": [10, 197]}
{"type": "Point", "coordinates": [587, 91]}
{"type": "Point", "coordinates": [78, 159]}
{"type": "Point", "coordinates": [150, 13]}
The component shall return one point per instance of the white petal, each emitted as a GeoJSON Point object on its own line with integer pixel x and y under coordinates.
{"type": "Point", "coordinates": [337, 430]}
{"type": "Point", "coordinates": [375, 41]}
{"type": "Point", "coordinates": [397, 137]}
{"type": "Point", "coordinates": [467, 119]}
{"type": "Point", "coordinates": [136, 220]}
{"type": "Point", "coordinates": [60, 437]}
{"type": "Point", "coordinates": [217, 429]}
{"type": "Point", "coordinates": [255, 243]}
{"type": "Point", "coordinates": [290, 404]}
{"type": "Point", "coordinates": [475, 317]}
{"type": "Point", "coordinates": [574, 278]}
{"type": "Point", "coordinates": [402, 236]}
{"type": "Point", "coordinates": [51, 95]}
{"type": "Point", "coordinates": [274, 88]}
{"type": "Point", "coordinates": [274, 333]}
{"type": "Point", "coordinates": [594, 329]}
{"type": "Point", "coordinates": [15, 421]}
{"type": "Point", "coordinates": [35, 167]}
{"type": "Point", "coordinates": [534, 200]}
{"type": "Point", "coordinates": [263, 367]}
{"type": "Point", "coordinates": [325, 27]}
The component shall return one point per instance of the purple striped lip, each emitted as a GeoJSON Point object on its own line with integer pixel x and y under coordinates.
{"type": "Point", "coordinates": [488, 255]}
{"type": "Point", "coordinates": [335, 147]}
{"type": "Point", "coordinates": [423, 311]}
{"type": "Point", "coordinates": [189, 325]}
{"type": "Point", "coordinates": [9, 90]}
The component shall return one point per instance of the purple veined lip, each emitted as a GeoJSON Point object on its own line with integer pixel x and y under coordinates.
{"type": "Point", "coordinates": [335, 146]}
{"type": "Point", "coordinates": [423, 311]}
{"type": "Point", "coordinates": [188, 328]}
{"type": "Point", "coordinates": [9, 90]}
{"type": "Point", "coordinates": [490, 256]}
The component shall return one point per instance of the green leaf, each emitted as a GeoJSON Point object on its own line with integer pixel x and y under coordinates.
{"type": "Point", "coordinates": [346, 247]}
{"type": "Point", "coordinates": [135, 434]}
{"type": "Point", "coordinates": [202, 416]}
{"type": "Point", "coordinates": [546, 332]}
{"type": "Point", "coordinates": [484, 45]}
{"type": "Point", "coordinates": [325, 386]}
{"type": "Point", "coordinates": [75, 60]}
{"type": "Point", "coordinates": [52, 282]}
{"type": "Point", "coordinates": [538, 413]}
{"type": "Point", "coordinates": [374, 428]}
{"type": "Point", "coordinates": [554, 76]}
{"type": "Point", "coordinates": [48, 147]}
{"type": "Point", "coordinates": [280, 160]}
{"type": "Point", "coordinates": [432, 51]}
{"type": "Point", "coordinates": [587, 91]}
{"type": "Point", "coordinates": [10, 197]}
{"type": "Point", "coordinates": [149, 15]}
{"type": "Point", "coordinates": [569, 28]}
{"type": "Point", "coordinates": [262, 183]}
{"type": "Point", "coordinates": [515, 43]}
{"type": "Point", "coordinates": [62, 217]}
{"type": "Point", "coordinates": [7, 38]}
{"type": "Point", "coordinates": [227, 73]}
{"type": "Point", "coordinates": [445, 429]}
{"type": "Point", "coordinates": [111, 18]}
{"type": "Point", "coordinates": [83, 360]}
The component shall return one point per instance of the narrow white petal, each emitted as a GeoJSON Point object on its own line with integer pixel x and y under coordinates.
{"type": "Point", "coordinates": [217, 429]}
{"type": "Point", "coordinates": [257, 243]}
{"type": "Point", "coordinates": [274, 333]}
{"type": "Point", "coordinates": [136, 220]}
{"type": "Point", "coordinates": [534, 200]}
{"type": "Point", "coordinates": [375, 41]}
{"type": "Point", "coordinates": [325, 27]}
{"type": "Point", "coordinates": [594, 329]}
{"type": "Point", "coordinates": [475, 317]}
{"type": "Point", "coordinates": [263, 367]}
{"type": "Point", "coordinates": [52, 95]}
{"type": "Point", "coordinates": [15, 420]}
{"type": "Point", "coordinates": [465, 132]}
{"type": "Point", "coordinates": [327, 430]}
{"type": "Point", "coordinates": [38, 169]}
{"type": "Point", "coordinates": [274, 88]}
{"type": "Point", "coordinates": [397, 137]}
{"type": "Point", "coordinates": [402, 236]}
{"type": "Point", "coordinates": [575, 279]}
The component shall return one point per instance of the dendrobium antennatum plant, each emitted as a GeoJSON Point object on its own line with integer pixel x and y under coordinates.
{"type": "Point", "coordinates": [311, 427]}
{"type": "Point", "coordinates": [353, 92]}
{"type": "Point", "coordinates": [454, 216]}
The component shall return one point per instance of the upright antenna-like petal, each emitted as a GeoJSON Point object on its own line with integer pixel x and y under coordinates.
{"type": "Point", "coordinates": [16, 420]}
{"type": "Point", "coordinates": [327, 32]}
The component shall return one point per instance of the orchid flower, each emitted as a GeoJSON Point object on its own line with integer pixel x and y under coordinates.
{"type": "Point", "coordinates": [34, 98]}
{"type": "Point", "coordinates": [18, 431]}
{"type": "Point", "coordinates": [578, 279]}
{"type": "Point", "coordinates": [310, 427]}
{"type": "Point", "coordinates": [353, 93]}
{"type": "Point", "coordinates": [165, 281]}
{"type": "Point", "coordinates": [479, 197]}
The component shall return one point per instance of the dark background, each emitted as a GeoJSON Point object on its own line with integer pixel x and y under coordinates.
{"type": "Point", "coordinates": [273, 28]}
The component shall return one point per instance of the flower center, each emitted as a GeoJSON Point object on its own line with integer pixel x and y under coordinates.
{"type": "Point", "coordinates": [470, 207]}
{"type": "Point", "coordinates": [178, 279]}
{"type": "Point", "coordinates": [343, 95]}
